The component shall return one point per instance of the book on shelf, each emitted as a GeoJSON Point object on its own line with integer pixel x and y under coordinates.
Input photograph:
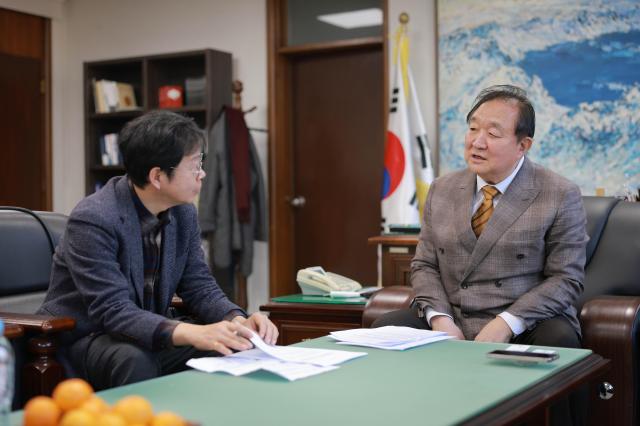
{"type": "Point", "coordinates": [195, 88]}
{"type": "Point", "coordinates": [98, 98]}
{"type": "Point", "coordinates": [113, 96]}
{"type": "Point", "coordinates": [109, 152]}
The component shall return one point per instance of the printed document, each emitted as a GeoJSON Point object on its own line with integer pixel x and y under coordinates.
{"type": "Point", "coordinates": [252, 360]}
{"type": "Point", "coordinates": [292, 363]}
{"type": "Point", "coordinates": [389, 337]}
{"type": "Point", "coordinates": [321, 357]}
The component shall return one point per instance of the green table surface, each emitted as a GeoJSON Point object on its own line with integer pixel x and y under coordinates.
{"type": "Point", "coordinates": [302, 298]}
{"type": "Point", "coordinates": [438, 384]}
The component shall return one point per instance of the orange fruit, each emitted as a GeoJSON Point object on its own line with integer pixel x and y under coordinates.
{"type": "Point", "coordinates": [134, 409]}
{"type": "Point", "coordinates": [167, 418]}
{"type": "Point", "coordinates": [71, 393]}
{"type": "Point", "coordinates": [78, 418]}
{"type": "Point", "coordinates": [95, 405]}
{"type": "Point", "coordinates": [41, 411]}
{"type": "Point", "coordinates": [110, 419]}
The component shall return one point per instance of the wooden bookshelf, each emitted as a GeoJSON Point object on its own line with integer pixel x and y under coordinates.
{"type": "Point", "coordinates": [147, 74]}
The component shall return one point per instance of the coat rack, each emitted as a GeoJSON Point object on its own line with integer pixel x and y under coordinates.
{"type": "Point", "coordinates": [236, 88]}
{"type": "Point", "coordinates": [240, 280]}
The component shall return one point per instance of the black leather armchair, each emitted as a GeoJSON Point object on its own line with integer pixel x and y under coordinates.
{"type": "Point", "coordinates": [609, 307]}
{"type": "Point", "coordinates": [27, 242]}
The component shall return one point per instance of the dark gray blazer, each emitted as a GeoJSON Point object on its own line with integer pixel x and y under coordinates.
{"type": "Point", "coordinates": [528, 261]}
{"type": "Point", "coordinates": [97, 275]}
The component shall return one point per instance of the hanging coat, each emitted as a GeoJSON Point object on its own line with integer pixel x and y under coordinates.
{"type": "Point", "coordinates": [232, 239]}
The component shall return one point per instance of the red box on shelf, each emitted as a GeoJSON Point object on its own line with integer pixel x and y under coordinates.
{"type": "Point", "coordinates": [170, 96]}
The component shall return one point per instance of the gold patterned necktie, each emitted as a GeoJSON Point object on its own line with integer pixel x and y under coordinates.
{"type": "Point", "coordinates": [484, 212]}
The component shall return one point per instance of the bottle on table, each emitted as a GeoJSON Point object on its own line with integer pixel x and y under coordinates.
{"type": "Point", "coordinates": [7, 364]}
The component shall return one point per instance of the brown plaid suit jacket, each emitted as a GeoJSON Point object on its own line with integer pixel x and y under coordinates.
{"type": "Point", "coordinates": [529, 260]}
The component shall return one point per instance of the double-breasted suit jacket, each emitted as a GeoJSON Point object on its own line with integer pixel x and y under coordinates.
{"type": "Point", "coordinates": [528, 261]}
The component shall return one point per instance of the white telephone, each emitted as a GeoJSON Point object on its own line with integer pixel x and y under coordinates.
{"type": "Point", "coordinates": [316, 281]}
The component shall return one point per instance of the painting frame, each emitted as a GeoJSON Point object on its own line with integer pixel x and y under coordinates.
{"type": "Point", "coordinates": [588, 127]}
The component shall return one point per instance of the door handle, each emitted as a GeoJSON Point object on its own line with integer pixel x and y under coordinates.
{"type": "Point", "coordinates": [298, 201]}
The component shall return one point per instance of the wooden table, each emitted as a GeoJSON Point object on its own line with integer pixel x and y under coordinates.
{"type": "Point", "coordinates": [298, 322]}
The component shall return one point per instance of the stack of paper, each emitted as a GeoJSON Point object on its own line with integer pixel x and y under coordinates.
{"type": "Point", "coordinates": [292, 363]}
{"type": "Point", "coordinates": [389, 337]}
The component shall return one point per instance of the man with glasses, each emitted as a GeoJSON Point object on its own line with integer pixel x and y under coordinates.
{"type": "Point", "coordinates": [127, 249]}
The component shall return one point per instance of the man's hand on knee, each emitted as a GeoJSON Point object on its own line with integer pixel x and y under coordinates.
{"type": "Point", "coordinates": [497, 331]}
{"type": "Point", "coordinates": [446, 324]}
{"type": "Point", "coordinates": [223, 337]}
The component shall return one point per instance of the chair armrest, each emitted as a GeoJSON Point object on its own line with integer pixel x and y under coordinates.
{"type": "Point", "coordinates": [610, 329]}
{"type": "Point", "coordinates": [39, 323]}
{"type": "Point", "coordinates": [610, 323]}
{"type": "Point", "coordinates": [386, 300]}
{"type": "Point", "coordinates": [11, 331]}
{"type": "Point", "coordinates": [40, 371]}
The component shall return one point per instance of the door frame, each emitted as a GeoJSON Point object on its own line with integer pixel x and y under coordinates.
{"type": "Point", "coordinates": [46, 92]}
{"type": "Point", "coordinates": [280, 145]}
{"type": "Point", "coordinates": [19, 49]}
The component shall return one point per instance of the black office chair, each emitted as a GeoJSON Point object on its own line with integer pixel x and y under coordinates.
{"type": "Point", "coordinates": [609, 307]}
{"type": "Point", "coordinates": [27, 242]}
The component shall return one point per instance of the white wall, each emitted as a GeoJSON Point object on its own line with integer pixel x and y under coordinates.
{"type": "Point", "coordinates": [88, 30]}
{"type": "Point", "coordinates": [46, 8]}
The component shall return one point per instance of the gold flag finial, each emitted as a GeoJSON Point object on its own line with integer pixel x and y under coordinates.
{"type": "Point", "coordinates": [403, 18]}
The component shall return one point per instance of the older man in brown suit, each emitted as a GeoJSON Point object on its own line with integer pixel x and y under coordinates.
{"type": "Point", "coordinates": [502, 249]}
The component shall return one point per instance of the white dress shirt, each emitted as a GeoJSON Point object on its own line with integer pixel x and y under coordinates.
{"type": "Point", "coordinates": [516, 324]}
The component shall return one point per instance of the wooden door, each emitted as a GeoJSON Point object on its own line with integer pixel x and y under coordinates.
{"type": "Point", "coordinates": [25, 159]}
{"type": "Point", "coordinates": [337, 159]}
{"type": "Point", "coordinates": [326, 144]}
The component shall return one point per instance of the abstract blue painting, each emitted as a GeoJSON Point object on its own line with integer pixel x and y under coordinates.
{"type": "Point", "coordinates": [580, 64]}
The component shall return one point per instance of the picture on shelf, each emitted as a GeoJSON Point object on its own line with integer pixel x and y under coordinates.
{"type": "Point", "coordinates": [126, 97]}
{"type": "Point", "coordinates": [113, 96]}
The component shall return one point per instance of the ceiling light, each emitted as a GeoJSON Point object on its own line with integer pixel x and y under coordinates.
{"type": "Point", "coordinates": [354, 19]}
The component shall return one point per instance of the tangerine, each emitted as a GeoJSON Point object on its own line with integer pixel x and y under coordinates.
{"type": "Point", "coordinates": [41, 411]}
{"type": "Point", "coordinates": [134, 409]}
{"type": "Point", "coordinates": [78, 418]}
{"type": "Point", "coordinates": [71, 393]}
{"type": "Point", "coordinates": [167, 418]}
{"type": "Point", "coordinates": [110, 419]}
{"type": "Point", "coordinates": [95, 405]}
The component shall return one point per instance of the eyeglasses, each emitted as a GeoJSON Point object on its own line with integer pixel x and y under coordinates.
{"type": "Point", "coordinates": [197, 166]}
